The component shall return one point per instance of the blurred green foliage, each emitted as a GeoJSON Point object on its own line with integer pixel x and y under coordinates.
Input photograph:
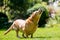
{"type": "Point", "coordinates": [52, 22]}
{"type": "Point", "coordinates": [15, 9]}
{"type": "Point", "coordinates": [21, 9]}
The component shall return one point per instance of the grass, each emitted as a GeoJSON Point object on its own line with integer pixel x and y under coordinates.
{"type": "Point", "coordinates": [40, 34]}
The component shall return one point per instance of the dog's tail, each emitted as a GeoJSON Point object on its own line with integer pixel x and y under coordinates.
{"type": "Point", "coordinates": [9, 29]}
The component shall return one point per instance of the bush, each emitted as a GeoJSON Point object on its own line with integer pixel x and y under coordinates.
{"type": "Point", "coordinates": [3, 20]}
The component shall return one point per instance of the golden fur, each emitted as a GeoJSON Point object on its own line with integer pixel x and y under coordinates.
{"type": "Point", "coordinates": [28, 26]}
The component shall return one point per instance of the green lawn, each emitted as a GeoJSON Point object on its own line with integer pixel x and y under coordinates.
{"type": "Point", "coordinates": [40, 34]}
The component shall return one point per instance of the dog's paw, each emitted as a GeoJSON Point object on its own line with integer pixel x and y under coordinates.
{"type": "Point", "coordinates": [18, 36]}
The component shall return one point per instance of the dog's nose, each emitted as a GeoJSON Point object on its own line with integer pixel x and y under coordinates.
{"type": "Point", "coordinates": [39, 10]}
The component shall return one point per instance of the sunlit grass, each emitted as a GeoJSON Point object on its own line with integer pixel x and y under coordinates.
{"type": "Point", "coordinates": [52, 33]}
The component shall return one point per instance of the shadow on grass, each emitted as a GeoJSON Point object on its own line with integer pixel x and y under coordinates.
{"type": "Point", "coordinates": [42, 37]}
{"type": "Point", "coordinates": [35, 37]}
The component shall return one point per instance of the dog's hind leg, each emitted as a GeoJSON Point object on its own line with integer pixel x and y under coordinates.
{"type": "Point", "coordinates": [17, 33]}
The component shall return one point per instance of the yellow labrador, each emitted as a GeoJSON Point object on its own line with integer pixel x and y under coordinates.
{"type": "Point", "coordinates": [28, 26]}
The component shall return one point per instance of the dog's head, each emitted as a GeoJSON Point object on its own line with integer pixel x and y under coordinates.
{"type": "Point", "coordinates": [37, 12]}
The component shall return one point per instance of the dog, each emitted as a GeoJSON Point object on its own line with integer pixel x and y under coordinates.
{"type": "Point", "coordinates": [28, 26]}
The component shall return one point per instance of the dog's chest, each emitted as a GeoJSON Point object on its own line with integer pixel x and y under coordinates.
{"type": "Point", "coordinates": [30, 27]}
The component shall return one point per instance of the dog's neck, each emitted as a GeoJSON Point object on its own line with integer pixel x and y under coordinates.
{"type": "Point", "coordinates": [34, 18]}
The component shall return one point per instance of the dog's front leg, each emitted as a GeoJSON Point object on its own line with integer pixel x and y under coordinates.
{"type": "Point", "coordinates": [31, 35]}
{"type": "Point", "coordinates": [23, 35]}
{"type": "Point", "coordinates": [26, 36]}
